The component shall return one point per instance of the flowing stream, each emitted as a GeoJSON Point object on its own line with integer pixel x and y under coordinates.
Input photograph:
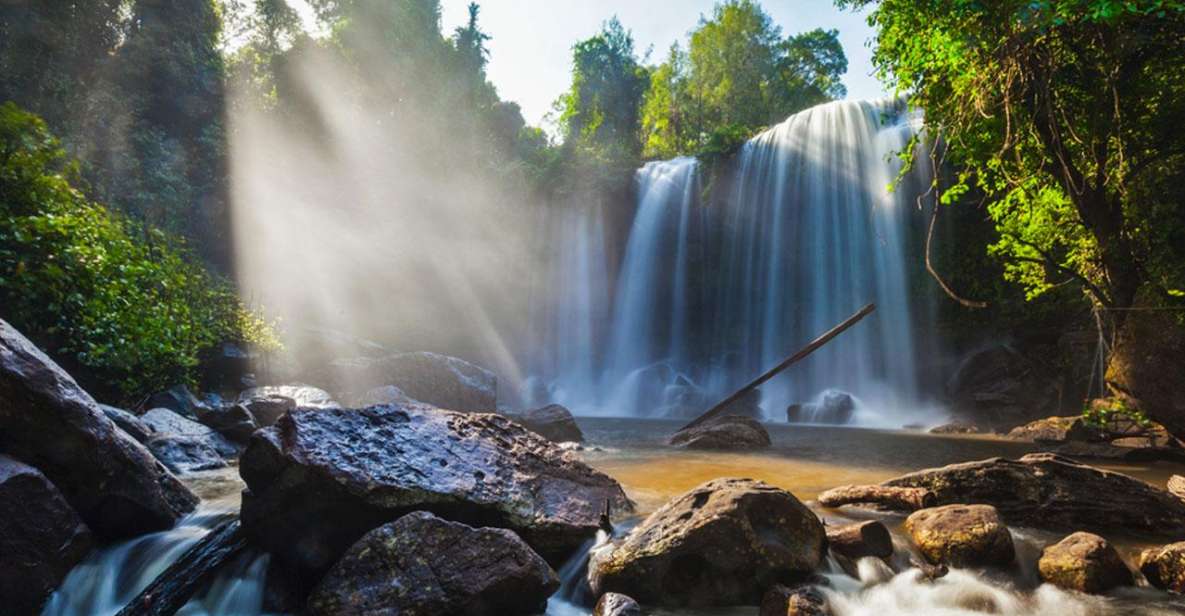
{"type": "Point", "coordinates": [721, 279]}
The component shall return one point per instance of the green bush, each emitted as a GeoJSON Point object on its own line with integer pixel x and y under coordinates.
{"type": "Point", "coordinates": [123, 301]}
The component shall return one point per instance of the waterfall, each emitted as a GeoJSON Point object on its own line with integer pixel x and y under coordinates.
{"type": "Point", "coordinates": [796, 232]}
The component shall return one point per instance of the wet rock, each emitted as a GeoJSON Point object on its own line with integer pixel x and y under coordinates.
{"type": "Point", "coordinates": [855, 541]}
{"type": "Point", "coordinates": [1000, 387]}
{"type": "Point", "coordinates": [234, 421]}
{"type": "Point", "coordinates": [1164, 567]}
{"type": "Point", "coordinates": [267, 409]}
{"type": "Point", "coordinates": [961, 536]}
{"type": "Point", "coordinates": [41, 538]}
{"type": "Point", "coordinates": [552, 422]}
{"type": "Point", "coordinates": [723, 432]}
{"type": "Point", "coordinates": [1147, 363]}
{"type": "Point", "coordinates": [370, 466]}
{"type": "Point", "coordinates": [48, 421]}
{"type": "Point", "coordinates": [1053, 429]}
{"type": "Point", "coordinates": [421, 564]}
{"type": "Point", "coordinates": [1104, 451]}
{"type": "Point", "coordinates": [1083, 562]}
{"type": "Point", "coordinates": [616, 604]}
{"type": "Point", "coordinates": [797, 601]}
{"type": "Point", "coordinates": [1176, 486]}
{"type": "Point", "coordinates": [387, 394]}
{"type": "Point", "coordinates": [722, 543]}
{"type": "Point", "coordinates": [266, 404]}
{"type": "Point", "coordinates": [748, 405]}
{"type": "Point", "coordinates": [1050, 492]}
{"type": "Point", "coordinates": [439, 380]}
{"type": "Point", "coordinates": [177, 399]}
{"type": "Point", "coordinates": [184, 454]}
{"type": "Point", "coordinates": [127, 422]}
{"type": "Point", "coordinates": [164, 422]}
{"type": "Point", "coordinates": [957, 427]}
{"type": "Point", "coordinates": [834, 407]}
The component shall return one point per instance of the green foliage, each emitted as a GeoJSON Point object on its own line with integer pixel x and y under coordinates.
{"type": "Point", "coordinates": [1114, 414]}
{"type": "Point", "coordinates": [114, 296]}
{"type": "Point", "coordinates": [738, 76]}
{"type": "Point", "coordinates": [1064, 115]}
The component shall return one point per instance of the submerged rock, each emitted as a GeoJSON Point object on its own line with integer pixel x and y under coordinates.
{"type": "Point", "coordinates": [127, 422]}
{"type": "Point", "coordinates": [320, 479]}
{"type": "Point", "coordinates": [1083, 562]}
{"type": "Point", "coordinates": [48, 421]}
{"type": "Point", "coordinates": [1046, 491]}
{"type": "Point", "coordinates": [439, 380]}
{"type": "Point", "coordinates": [723, 543]}
{"type": "Point", "coordinates": [724, 432]}
{"type": "Point", "coordinates": [797, 601]}
{"type": "Point", "coordinates": [41, 538]}
{"type": "Point", "coordinates": [1164, 567]}
{"type": "Point", "coordinates": [421, 564]}
{"type": "Point", "coordinates": [552, 422]}
{"type": "Point", "coordinates": [961, 536]}
{"type": "Point", "coordinates": [616, 604]}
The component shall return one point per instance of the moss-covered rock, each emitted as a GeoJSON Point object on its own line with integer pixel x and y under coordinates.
{"type": "Point", "coordinates": [1084, 562]}
{"type": "Point", "coordinates": [961, 536]}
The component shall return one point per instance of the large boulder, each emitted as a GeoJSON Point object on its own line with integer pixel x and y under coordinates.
{"type": "Point", "coordinates": [999, 387]}
{"type": "Point", "coordinates": [41, 537]}
{"type": "Point", "coordinates": [1084, 562]}
{"type": "Point", "coordinates": [319, 479]}
{"type": "Point", "coordinates": [48, 421]}
{"type": "Point", "coordinates": [724, 432]}
{"type": "Point", "coordinates": [164, 422]}
{"type": "Point", "coordinates": [1076, 429]}
{"type": "Point", "coordinates": [1052, 429]}
{"type": "Point", "coordinates": [234, 421]}
{"type": "Point", "coordinates": [1164, 567]}
{"type": "Point", "coordinates": [439, 380]}
{"type": "Point", "coordinates": [1047, 491]}
{"type": "Point", "coordinates": [831, 407]}
{"type": "Point", "coordinates": [723, 543]}
{"type": "Point", "coordinates": [616, 604]}
{"type": "Point", "coordinates": [127, 422]}
{"type": "Point", "coordinates": [421, 564]}
{"type": "Point", "coordinates": [1147, 363]}
{"type": "Point", "coordinates": [961, 536]}
{"type": "Point", "coordinates": [553, 422]}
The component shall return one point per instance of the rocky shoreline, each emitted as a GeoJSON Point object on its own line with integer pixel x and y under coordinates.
{"type": "Point", "coordinates": [407, 507]}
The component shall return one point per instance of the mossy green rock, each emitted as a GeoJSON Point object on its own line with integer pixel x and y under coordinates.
{"type": "Point", "coordinates": [961, 536]}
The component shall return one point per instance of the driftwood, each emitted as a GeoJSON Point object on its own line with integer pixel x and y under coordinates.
{"type": "Point", "coordinates": [173, 588]}
{"type": "Point", "coordinates": [723, 405]}
{"type": "Point", "coordinates": [894, 498]}
{"type": "Point", "coordinates": [855, 541]}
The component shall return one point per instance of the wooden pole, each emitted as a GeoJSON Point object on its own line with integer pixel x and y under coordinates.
{"type": "Point", "coordinates": [793, 359]}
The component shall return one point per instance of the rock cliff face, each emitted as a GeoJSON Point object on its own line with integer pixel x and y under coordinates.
{"type": "Point", "coordinates": [1147, 365]}
{"type": "Point", "coordinates": [49, 422]}
{"type": "Point", "coordinates": [321, 478]}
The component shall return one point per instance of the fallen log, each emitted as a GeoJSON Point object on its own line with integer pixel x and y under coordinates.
{"type": "Point", "coordinates": [888, 497]}
{"type": "Point", "coordinates": [814, 345]}
{"type": "Point", "coordinates": [855, 541]}
{"type": "Point", "coordinates": [173, 588]}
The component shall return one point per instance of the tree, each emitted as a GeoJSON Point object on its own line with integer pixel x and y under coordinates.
{"type": "Point", "coordinates": [1065, 116]}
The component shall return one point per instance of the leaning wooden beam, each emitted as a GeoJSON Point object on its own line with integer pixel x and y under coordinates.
{"type": "Point", "coordinates": [790, 361]}
{"type": "Point", "coordinates": [172, 589]}
{"type": "Point", "coordinates": [897, 499]}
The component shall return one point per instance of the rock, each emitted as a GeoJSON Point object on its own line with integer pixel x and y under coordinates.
{"type": "Point", "coordinates": [1164, 567]}
{"type": "Point", "coordinates": [685, 400]}
{"type": "Point", "coordinates": [855, 541]}
{"type": "Point", "coordinates": [227, 365]}
{"type": "Point", "coordinates": [961, 536]}
{"type": "Point", "coordinates": [421, 564]}
{"type": "Point", "coordinates": [616, 604]}
{"type": "Point", "coordinates": [798, 601]}
{"type": "Point", "coordinates": [1176, 486]}
{"type": "Point", "coordinates": [233, 421]}
{"type": "Point", "coordinates": [552, 422]}
{"type": "Point", "coordinates": [1121, 433]}
{"type": "Point", "coordinates": [303, 395]}
{"type": "Point", "coordinates": [265, 409]}
{"type": "Point", "coordinates": [1147, 363]}
{"type": "Point", "coordinates": [41, 537]}
{"type": "Point", "coordinates": [832, 407]}
{"type": "Point", "coordinates": [1084, 562]}
{"type": "Point", "coordinates": [184, 454]}
{"type": "Point", "coordinates": [164, 422]}
{"type": "Point", "coordinates": [387, 394]}
{"type": "Point", "coordinates": [370, 466]}
{"type": "Point", "coordinates": [722, 543]}
{"type": "Point", "coordinates": [1049, 492]}
{"type": "Point", "coordinates": [49, 422]}
{"type": "Point", "coordinates": [438, 380]}
{"type": "Point", "coordinates": [1052, 429]}
{"type": "Point", "coordinates": [748, 405]}
{"type": "Point", "coordinates": [723, 432]}
{"type": "Point", "coordinates": [1103, 451]}
{"type": "Point", "coordinates": [177, 399]}
{"type": "Point", "coordinates": [998, 387]}
{"type": "Point", "coordinates": [885, 497]}
{"type": "Point", "coordinates": [956, 427]}
{"type": "Point", "coordinates": [127, 422]}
